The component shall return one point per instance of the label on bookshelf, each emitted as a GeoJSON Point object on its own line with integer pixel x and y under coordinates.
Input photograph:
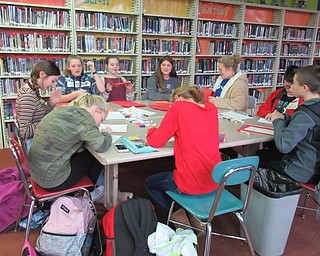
{"type": "Point", "coordinates": [216, 11]}
{"type": "Point", "coordinates": [167, 7]}
{"type": "Point", "coordinates": [106, 5]}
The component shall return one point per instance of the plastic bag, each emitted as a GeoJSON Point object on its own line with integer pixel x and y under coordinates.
{"type": "Point", "coordinates": [273, 181]}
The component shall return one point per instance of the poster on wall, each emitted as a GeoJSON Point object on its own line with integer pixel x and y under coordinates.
{"type": "Point", "coordinates": [106, 5]}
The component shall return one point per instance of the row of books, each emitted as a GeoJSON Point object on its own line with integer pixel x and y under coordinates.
{"type": "Point", "coordinates": [257, 65]}
{"type": "Point", "coordinates": [159, 46]}
{"type": "Point", "coordinates": [34, 42]}
{"type": "Point", "coordinates": [295, 49]}
{"type": "Point", "coordinates": [259, 49]}
{"type": "Point", "coordinates": [9, 110]}
{"type": "Point", "coordinates": [206, 66]}
{"type": "Point", "coordinates": [260, 32]}
{"type": "Point", "coordinates": [33, 17]}
{"type": "Point", "coordinates": [209, 28]}
{"type": "Point", "coordinates": [304, 34]}
{"type": "Point", "coordinates": [24, 66]}
{"type": "Point", "coordinates": [149, 66]}
{"type": "Point", "coordinates": [103, 22]}
{"type": "Point", "coordinates": [317, 50]}
{"type": "Point", "coordinates": [166, 26]}
{"type": "Point", "coordinates": [285, 63]}
{"type": "Point", "coordinates": [218, 47]}
{"type": "Point", "coordinates": [260, 79]}
{"type": "Point", "coordinates": [318, 35]}
{"type": "Point", "coordinates": [97, 44]}
{"type": "Point", "coordinates": [10, 86]}
{"type": "Point", "coordinates": [205, 81]}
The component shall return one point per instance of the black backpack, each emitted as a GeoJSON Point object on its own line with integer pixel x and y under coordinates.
{"type": "Point", "coordinates": [127, 227]}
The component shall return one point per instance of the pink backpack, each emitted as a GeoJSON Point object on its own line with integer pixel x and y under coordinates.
{"type": "Point", "coordinates": [69, 227]}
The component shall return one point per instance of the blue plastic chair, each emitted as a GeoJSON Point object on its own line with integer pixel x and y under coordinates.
{"type": "Point", "coordinates": [205, 207]}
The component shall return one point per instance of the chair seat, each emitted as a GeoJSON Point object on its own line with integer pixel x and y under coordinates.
{"type": "Point", "coordinates": [40, 192]}
{"type": "Point", "coordinates": [200, 205]}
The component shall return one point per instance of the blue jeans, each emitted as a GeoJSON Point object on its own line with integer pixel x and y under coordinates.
{"type": "Point", "coordinates": [157, 184]}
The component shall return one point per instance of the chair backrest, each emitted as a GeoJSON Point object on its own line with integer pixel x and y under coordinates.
{"type": "Point", "coordinates": [252, 102]}
{"type": "Point", "coordinates": [234, 172]}
{"type": "Point", "coordinates": [21, 140]}
{"type": "Point", "coordinates": [20, 159]}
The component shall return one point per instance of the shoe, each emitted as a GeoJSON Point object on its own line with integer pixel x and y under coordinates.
{"type": "Point", "coordinates": [97, 193]}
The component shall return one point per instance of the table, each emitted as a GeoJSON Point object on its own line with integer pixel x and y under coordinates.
{"type": "Point", "coordinates": [111, 158]}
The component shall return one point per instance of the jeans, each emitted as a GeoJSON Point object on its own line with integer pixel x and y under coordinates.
{"type": "Point", "coordinates": [157, 184]}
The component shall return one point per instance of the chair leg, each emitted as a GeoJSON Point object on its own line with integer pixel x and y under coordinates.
{"type": "Point", "coordinates": [207, 244]}
{"type": "Point", "coordinates": [246, 234]}
{"type": "Point", "coordinates": [28, 226]}
{"type": "Point", "coordinates": [170, 212]}
{"type": "Point", "coordinates": [23, 202]}
{"type": "Point", "coordinates": [304, 204]}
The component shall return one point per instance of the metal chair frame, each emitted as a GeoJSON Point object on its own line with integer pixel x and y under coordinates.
{"type": "Point", "coordinates": [37, 194]}
{"type": "Point", "coordinates": [309, 190]}
{"type": "Point", "coordinates": [228, 178]}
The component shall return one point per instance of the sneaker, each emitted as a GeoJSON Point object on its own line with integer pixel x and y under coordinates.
{"type": "Point", "coordinates": [97, 193]}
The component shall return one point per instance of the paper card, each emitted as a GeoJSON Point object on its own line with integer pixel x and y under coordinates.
{"type": "Point", "coordinates": [248, 128]}
{"type": "Point", "coordinates": [114, 116]}
{"type": "Point", "coordinates": [264, 121]}
{"type": "Point", "coordinates": [116, 128]}
{"type": "Point", "coordinates": [136, 111]}
{"type": "Point", "coordinates": [236, 116]}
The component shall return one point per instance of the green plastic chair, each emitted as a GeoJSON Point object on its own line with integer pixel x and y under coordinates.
{"type": "Point", "coordinates": [205, 207]}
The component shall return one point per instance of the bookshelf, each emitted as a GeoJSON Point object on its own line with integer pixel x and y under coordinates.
{"type": "Point", "coordinates": [30, 31]}
{"type": "Point", "coordinates": [218, 34]}
{"type": "Point", "coordinates": [106, 28]}
{"type": "Point", "coordinates": [196, 33]}
{"type": "Point", "coordinates": [167, 31]}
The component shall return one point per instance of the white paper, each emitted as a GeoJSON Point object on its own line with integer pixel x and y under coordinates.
{"type": "Point", "coordinates": [114, 116]}
{"type": "Point", "coordinates": [236, 116]}
{"type": "Point", "coordinates": [136, 111]}
{"type": "Point", "coordinates": [115, 127]}
{"type": "Point", "coordinates": [258, 130]}
{"type": "Point", "coordinates": [115, 138]}
{"type": "Point", "coordinates": [265, 121]}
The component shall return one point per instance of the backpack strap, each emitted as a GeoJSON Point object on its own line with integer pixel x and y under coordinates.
{"type": "Point", "coordinates": [137, 231]}
{"type": "Point", "coordinates": [311, 111]}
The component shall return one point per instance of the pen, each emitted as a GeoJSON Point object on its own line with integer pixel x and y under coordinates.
{"type": "Point", "coordinates": [245, 132]}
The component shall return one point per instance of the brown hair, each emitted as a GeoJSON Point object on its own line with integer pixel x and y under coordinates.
{"type": "Point", "coordinates": [188, 92]}
{"type": "Point", "coordinates": [231, 61]}
{"type": "Point", "coordinates": [309, 76]}
{"type": "Point", "coordinates": [48, 67]}
{"type": "Point", "coordinates": [159, 76]}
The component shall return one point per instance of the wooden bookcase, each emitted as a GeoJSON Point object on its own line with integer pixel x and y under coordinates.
{"type": "Point", "coordinates": [196, 33]}
{"type": "Point", "coordinates": [30, 31]}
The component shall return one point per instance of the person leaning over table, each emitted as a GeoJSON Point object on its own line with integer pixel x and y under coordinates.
{"type": "Point", "coordinates": [59, 155]}
{"type": "Point", "coordinates": [231, 87]}
{"type": "Point", "coordinates": [164, 81]}
{"type": "Point", "coordinates": [297, 137]}
{"type": "Point", "coordinates": [31, 107]}
{"type": "Point", "coordinates": [196, 147]}
{"type": "Point", "coordinates": [283, 100]}
{"type": "Point", "coordinates": [113, 92]}
{"type": "Point", "coordinates": [74, 81]}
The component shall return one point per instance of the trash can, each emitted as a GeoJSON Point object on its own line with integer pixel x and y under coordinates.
{"type": "Point", "coordinates": [269, 218]}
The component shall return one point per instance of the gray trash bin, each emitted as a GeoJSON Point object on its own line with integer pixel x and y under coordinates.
{"type": "Point", "coordinates": [269, 218]}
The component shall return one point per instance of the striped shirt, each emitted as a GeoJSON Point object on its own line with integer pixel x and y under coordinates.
{"type": "Point", "coordinates": [30, 110]}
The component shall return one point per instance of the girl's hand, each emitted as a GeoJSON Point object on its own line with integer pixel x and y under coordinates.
{"type": "Point", "coordinates": [276, 115]}
{"type": "Point", "coordinates": [211, 99]}
{"type": "Point", "coordinates": [90, 65]}
{"type": "Point", "coordinates": [55, 97]}
{"type": "Point", "coordinates": [108, 87]}
{"type": "Point", "coordinates": [129, 87]}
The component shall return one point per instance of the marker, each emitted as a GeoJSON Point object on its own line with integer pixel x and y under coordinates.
{"type": "Point", "coordinates": [245, 132]}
